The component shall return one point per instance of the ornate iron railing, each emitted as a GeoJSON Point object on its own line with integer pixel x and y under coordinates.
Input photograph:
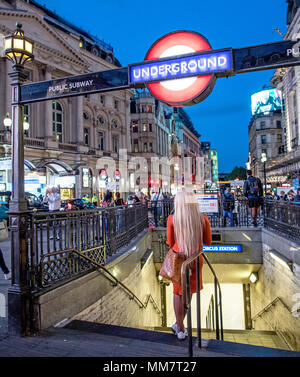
{"type": "Point", "coordinates": [96, 233]}
{"type": "Point", "coordinates": [284, 218]}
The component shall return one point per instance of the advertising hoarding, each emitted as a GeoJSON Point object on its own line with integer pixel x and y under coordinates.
{"type": "Point", "coordinates": [266, 101]}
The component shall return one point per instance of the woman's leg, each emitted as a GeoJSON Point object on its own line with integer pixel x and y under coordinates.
{"type": "Point", "coordinates": [180, 312]}
{"type": "Point", "coordinates": [2, 264]}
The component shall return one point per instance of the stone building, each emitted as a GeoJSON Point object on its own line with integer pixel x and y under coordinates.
{"type": "Point", "coordinates": [66, 137]}
{"type": "Point", "coordinates": [265, 136]}
{"type": "Point", "coordinates": [286, 167]}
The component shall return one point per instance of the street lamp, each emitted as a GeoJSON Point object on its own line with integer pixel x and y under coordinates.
{"type": "Point", "coordinates": [263, 160]}
{"type": "Point", "coordinates": [19, 50]}
{"type": "Point", "coordinates": [7, 122]}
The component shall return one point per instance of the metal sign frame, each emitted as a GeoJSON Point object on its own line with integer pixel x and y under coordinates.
{"type": "Point", "coordinates": [272, 55]}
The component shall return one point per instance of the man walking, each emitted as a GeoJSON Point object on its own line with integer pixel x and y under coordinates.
{"type": "Point", "coordinates": [253, 191]}
{"type": "Point", "coordinates": [228, 206]}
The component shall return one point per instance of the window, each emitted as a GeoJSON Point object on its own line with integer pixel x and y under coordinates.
{"type": "Point", "coordinates": [279, 138]}
{"type": "Point", "coordinates": [102, 99]}
{"type": "Point", "coordinates": [86, 136]}
{"type": "Point", "coordinates": [116, 105]}
{"type": "Point", "coordinates": [26, 118]}
{"type": "Point", "coordinates": [86, 116]}
{"type": "Point", "coordinates": [115, 143]}
{"type": "Point", "coordinates": [262, 125]}
{"type": "Point", "coordinates": [146, 109]}
{"type": "Point", "coordinates": [278, 123]}
{"type": "Point", "coordinates": [263, 139]}
{"type": "Point", "coordinates": [135, 145]}
{"type": "Point", "coordinates": [114, 124]}
{"type": "Point", "coordinates": [144, 127]}
{"type": "Point", "coordinates": [264, 151]}
{"type": "Point", "coordinates": [101, 140]}
{"type": "Point", "coordinates": [150, 127]}
{"type": "Point", "coordinates": [150, 147]}
{"type": "Point", "coordinates": [145, 147]}
{"type": "Point", "coordinates": [100, 119]}
{"type": "Point", "coordinates": [135, 127]}
{"type": "Point", "coordinates": [57, 121]}
{"type": "Point", "coordinates": [281, 149]}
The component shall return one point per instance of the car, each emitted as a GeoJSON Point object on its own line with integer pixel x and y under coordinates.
{"type": "Point", "coordinates": [76, 204]}
{"type": "Point", "coordinates": [33, 201]}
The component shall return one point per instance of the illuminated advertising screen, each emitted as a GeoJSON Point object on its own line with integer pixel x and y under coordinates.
{"type": "Point", "coordinates": [266, 101]}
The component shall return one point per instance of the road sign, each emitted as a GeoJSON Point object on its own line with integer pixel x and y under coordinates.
{"type": "Point", "coordinates": [180, 69]}
{"type": "Point", "coordinates": [208, 203]}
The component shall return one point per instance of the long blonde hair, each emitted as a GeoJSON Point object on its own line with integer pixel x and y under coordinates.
{"type": "Point", "coordinates": [188, 223]}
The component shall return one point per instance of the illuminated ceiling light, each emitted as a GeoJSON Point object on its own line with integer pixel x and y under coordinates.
{"type": "Point", "coordinates": [281, 259]}
{"type": "Point", "coordinates": [246, 236]}
{"type": "Point", "coordinates": [253, 277]}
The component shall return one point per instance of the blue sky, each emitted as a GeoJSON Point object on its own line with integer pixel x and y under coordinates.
{"type": "Point", "coordinates": [132, 26]}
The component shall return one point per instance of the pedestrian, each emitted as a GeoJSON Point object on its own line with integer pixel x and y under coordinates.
{"type": "Point", "coordinates": [253, 191]}
{"type": "Point", "coordinates": [297, 197]}
{"type": "Point", "coordinates": [4, 268]}
{"type": "Point", "coordinates": [156, 205]}
{"type": "Point", "coordinates": [95, 200]}
{"type": "Point", "coordinates": [119, 201]}
{"type": "Point", "coordinates": [282, 197]}
{"type": "Point", "coordinates": [228, 206]}
{"type": "Point", "coordinates": [291, 196]}
{"type": "Point", "coordinates": [53, 199]}
{"type": "Point", "coordinates": [3, 212]}
{"type": "Point", "coordinates": [3, 237]}
{"type": "Point", "coordinates": [187, 230]}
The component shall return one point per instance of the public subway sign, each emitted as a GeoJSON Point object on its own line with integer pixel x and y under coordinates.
{"type": "Point", "coordinates": [179, 69]}
{"type": "Point", "coordinates": [223, 248]}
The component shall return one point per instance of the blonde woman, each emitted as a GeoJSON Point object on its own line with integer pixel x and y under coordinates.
{"type": "Point", "coordinates": [187, 230]}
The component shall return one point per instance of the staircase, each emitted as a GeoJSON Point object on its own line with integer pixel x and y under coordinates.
{"type": "Point", "coordinates": [89, 339]}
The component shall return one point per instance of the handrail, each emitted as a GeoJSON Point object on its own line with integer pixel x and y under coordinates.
{"type": "Point", "coordinates": [127, 290]}
{"type": "Point", "coordinates": [267, 307]}
{"type": "Point", "coordinates": [186, 298]}
{"type": "Point", "coordinates": [210, 314]}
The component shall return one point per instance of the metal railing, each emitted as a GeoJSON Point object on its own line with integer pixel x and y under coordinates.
{"type": "Point", "coordinates": [210, 320]}
{"type": "Point", "coordinates": [275, 328]}
{"type": "Point", "coordinates": [186, 299]}
{"type": "Point", "coordinates": [99, 232]}
{"type": "Point", "coordinates": [116, 281]}
{"type": "Point", "coordinates": [283, 217]}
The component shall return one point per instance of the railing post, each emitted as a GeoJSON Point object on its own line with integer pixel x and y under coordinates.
{"type": "Point", "coordinates": [198, 303]}
{"type": "Point", "coordinates": [217, 311]}
{"type": "Point", "coordinates": [189, 316]}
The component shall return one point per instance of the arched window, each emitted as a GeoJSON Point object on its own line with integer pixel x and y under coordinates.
{"type": "Point", "coordinates": [57, 121]}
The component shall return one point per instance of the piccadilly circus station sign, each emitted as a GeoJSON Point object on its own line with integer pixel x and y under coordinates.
{"type": "Point", "coordinates": [179, 69]}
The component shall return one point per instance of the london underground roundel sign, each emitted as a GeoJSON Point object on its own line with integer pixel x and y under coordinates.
{"type": "Point", "coordinates": [185, 91]}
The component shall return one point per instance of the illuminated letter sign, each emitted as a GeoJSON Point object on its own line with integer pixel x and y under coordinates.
{"type": "Point", "coordinates": [194, 65]}
{"type": "Point", "coordinates": [223, 248]}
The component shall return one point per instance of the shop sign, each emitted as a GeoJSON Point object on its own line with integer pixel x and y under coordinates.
{"type": "Point", "coordinates": [208, 203]}
{"type": "Point", "coordinates": [117, 175]}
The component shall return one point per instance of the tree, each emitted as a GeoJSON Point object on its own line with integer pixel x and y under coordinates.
{"type": "Point", "coordinates": [237, 172]}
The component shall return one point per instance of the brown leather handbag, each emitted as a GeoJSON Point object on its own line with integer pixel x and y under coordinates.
{"type": "Point", "coordinates": [171, 267]}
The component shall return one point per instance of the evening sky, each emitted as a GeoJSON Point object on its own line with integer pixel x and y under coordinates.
{"type": "Point", "coordinates": [132, 26]}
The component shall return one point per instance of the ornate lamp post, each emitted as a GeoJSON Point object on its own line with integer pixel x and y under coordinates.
{"type": "Point", "coordinates": [264, 160]}
{"type": "Point", "coordinates": [19, 50]}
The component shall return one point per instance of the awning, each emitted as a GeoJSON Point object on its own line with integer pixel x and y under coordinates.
{"type": "Point", "coordinates": [56, 166]}
{"type": "Point", "coordinates": [6, 163]}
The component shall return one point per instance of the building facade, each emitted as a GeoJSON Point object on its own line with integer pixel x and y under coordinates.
{"type": "Point", "coordinates": [286, 167]}
{"type": "Point", "coordinates": [265, 136]}
{"type": "Point", "coordinates": [67, 139]}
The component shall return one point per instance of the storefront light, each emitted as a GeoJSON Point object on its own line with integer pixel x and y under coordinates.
{"type": "Point", "coordinates": [7, 122]}
{"type": "Point", "coordinates": [253, 277]}
{"type": "Point", "coordinates": [281, 259]}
